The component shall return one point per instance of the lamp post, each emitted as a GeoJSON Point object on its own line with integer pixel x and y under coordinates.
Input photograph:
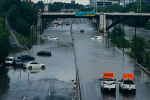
{"type": "Point", "coordinates": [140, 5]}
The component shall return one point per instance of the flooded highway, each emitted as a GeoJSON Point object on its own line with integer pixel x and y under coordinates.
{"type": "Point", "coordinates": [56, 82]}
{"type": "Point", "coordinates": [97, 56]}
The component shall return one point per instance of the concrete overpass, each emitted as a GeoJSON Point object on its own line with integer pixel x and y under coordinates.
{"type": "Point", "coordinates": [101, 17]}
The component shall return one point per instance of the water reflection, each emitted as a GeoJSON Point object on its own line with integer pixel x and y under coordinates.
{"type": "Point", "coordinates": [108, 96]}
{"type": "Point", "coordinates": [128, 96]}
{"type": "Point", "coordinates": [4, 80]}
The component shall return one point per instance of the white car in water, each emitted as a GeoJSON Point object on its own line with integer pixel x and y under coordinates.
{"type": "Point", "coordinates": [10, 61]}
{"type": "Point", "coordinates": [32, 65]}
{"type": "Point", "coordinates": [108, 82]}
{"type": "Point", "coordinates": [96, 38]}
{"type": "Point", "coordinates": [52, 38]}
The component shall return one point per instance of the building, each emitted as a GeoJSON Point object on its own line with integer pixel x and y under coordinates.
{"type": "Point", "coordinates": [126, 2]}
{"type": "Point", "coordinates": [73, 1]}
{"type": "Point", "coordinates": [46, 8]}
{"type": "Point", "coordinates": [103, 3]}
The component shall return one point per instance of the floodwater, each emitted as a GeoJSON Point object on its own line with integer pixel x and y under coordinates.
{"type": "Point", "coordinates": [56, 82]}
{"type": "Point", "coordinates": [97, 56]}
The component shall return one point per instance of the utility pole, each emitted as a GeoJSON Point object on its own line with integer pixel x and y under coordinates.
{"type": "Point", "coordinates": [135, 37]}
{"type": "Point", "coordinates": [96, 6]}
{"type": "Point", "coordinates": [140, 5]}
{"type": "Point", "coordinates": [103, 3]}
{"type": "Point", "coordinates": [123, 35]}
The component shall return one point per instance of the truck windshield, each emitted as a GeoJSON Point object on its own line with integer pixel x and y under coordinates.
{"type": "Point", "coordinates": [108, 79]}
{"type": "Point", "coordinates": [9, 59]}
{"type": "Point", "coordinates": [128, 82]}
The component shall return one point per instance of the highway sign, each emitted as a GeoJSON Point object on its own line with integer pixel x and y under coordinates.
{"type": "Point", "coordinates": [88, 13]}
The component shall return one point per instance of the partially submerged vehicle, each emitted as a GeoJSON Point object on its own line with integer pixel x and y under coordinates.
{"type": "Point", "coordinates": [127, 83]}
{"type": "Point", "coordinates": [82, 31]}
{"type": "Point", "coordinates": [108, 82]}
{"type": "Point", "coordinates": [10, 61]}
{"type": "Point", "coordinates": [96, 38]}
{"type": "Point", "coordinates": [44, 53]}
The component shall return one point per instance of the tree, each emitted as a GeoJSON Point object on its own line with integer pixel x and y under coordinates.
{"type": "Point", "coordinates": [138, 48]}
{"type": "Point", "coordinates": [40, 5]}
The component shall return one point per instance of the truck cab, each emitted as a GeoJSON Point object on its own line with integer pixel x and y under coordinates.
{"type": "Point", "coordinates": [127, 83]}
{"type": "Point", "coordinates": [108, 82]}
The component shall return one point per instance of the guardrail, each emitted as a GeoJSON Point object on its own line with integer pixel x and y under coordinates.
{"type": "Point", "coordinates": [78, 91]}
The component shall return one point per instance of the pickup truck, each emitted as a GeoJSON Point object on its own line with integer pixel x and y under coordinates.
{"type": "Point", "coordinates": [127, 83]}
{"type": "Point", "coordinates": [108, 82]}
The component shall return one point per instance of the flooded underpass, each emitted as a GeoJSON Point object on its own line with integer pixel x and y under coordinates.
{"type": "Point", "coordinates": [56, 81]}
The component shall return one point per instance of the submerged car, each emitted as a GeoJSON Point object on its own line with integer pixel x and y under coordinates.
{"type": "Point", "coordinates": [33, 65]}
{"type": "Point", "coordinates": [67, 23]}
{"type": "Point", "coordinates": [18, 63]}
{"type": "Point", "coordinates": [10, 61]}
{"type": "Point", "coordinates": [26, 57]}
{"type": "Point", "coordinates": [81, 31]}
{"type": "Point", "coordinates": [127, 83]}
{"type": "Point", "coordinates": [108, 82]}
{"type": "Point", "coordinates": [44, 53]}
{"type": "Point", "coordinates": [96, 38]}
{"type": "Point", "coordinates": [52, 38]}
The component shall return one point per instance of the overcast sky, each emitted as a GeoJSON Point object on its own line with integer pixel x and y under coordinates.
{"type": "Point", "coordinates": [85, 2]}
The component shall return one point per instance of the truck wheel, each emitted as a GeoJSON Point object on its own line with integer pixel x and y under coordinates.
{"type": "Point", "coordinates": [43, 67]}
{"type": "Point", "coordinates": [30, 67]}
{"type": "Point", "coordinates": [134, 91]}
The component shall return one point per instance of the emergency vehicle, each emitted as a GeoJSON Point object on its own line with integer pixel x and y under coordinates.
{"type": "Point", "coordinates": [127, 83]}
{"type": "Point", "coordinates": [108, 82]}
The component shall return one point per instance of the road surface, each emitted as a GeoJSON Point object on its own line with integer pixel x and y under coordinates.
{"type": "Point", "coordinates": [56, 82]}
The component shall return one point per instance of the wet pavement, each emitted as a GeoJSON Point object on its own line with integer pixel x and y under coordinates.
{"type": "Point", "coordinates": [55, 82]}
{"type": "Point", "coordinates": [95, 57]}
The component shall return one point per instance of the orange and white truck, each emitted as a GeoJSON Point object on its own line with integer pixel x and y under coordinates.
{"type": "Point", "coordinates": [108, 82]}
{"type": "Point", "coordinates": [127, 83]}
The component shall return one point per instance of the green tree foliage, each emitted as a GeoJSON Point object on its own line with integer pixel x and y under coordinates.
{"type": "Point", "coordinates": [57, 6]}
{"type": "Point", "coordinates": [4, 41]}
{"type": "Point", "coordinates": [147, 26]}
{"type": "Point", "coordinates": [138, 45]}
{"type": "Point", "coordinates": [21, 15]}
{"type": "Point", "coordinates": [40, 5]}
{"type": "Point", "coordinates": [117, 37]}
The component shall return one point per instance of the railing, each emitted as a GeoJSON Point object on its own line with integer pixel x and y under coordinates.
{"type": "Point", "coordinates": [78, 91]}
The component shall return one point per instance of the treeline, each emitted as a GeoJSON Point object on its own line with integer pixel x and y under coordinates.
{"type": "Point", "coordinates": [21, 15]}
{"type": "Point", "coordinates": [139, 47]}
{"type": "Point", "coordinates": [57, 6]}
{"type": "Point", "coordinates": [4, 41]}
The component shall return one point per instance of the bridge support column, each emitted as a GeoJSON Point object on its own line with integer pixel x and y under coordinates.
{"type": "Point", "coordinates": [102, 23]}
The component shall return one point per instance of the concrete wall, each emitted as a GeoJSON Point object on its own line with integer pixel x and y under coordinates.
{"type": "Point", "coordinates": [102, 23]}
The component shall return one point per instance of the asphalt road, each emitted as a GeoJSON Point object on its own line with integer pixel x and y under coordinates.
{"type": "Point", "coordinates": [55, 82]}
{"type": "Point", "coordinates": [95, 57]}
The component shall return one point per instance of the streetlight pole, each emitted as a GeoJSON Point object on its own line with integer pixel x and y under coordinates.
{"type": "Point", "coordinates": [96, 6]}
{"type": "Point", "coordinates": [140, 5]}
